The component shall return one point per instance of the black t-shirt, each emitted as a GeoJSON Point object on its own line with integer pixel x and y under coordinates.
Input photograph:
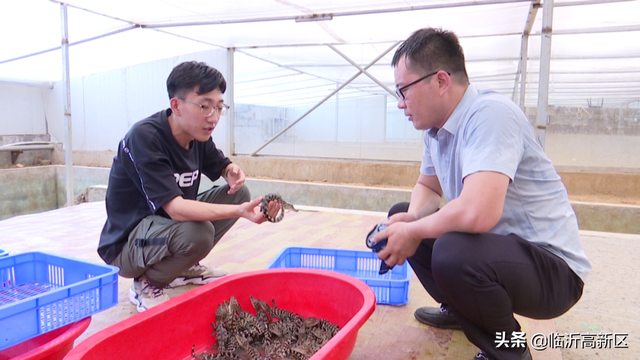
{"type": "Point", "coordinates": [150, 169]}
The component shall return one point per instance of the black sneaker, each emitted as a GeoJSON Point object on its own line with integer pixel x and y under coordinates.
{"type": "Point", "coordinates": [481, 356]}
{"type": "Point", "coordinates": [526, 355]}
{"type": "Point", "coordinates": [437, 317]}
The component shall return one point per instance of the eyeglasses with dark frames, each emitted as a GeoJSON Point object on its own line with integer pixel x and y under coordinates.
{"type": "Point", "coordinates": [399, 92]}
{"type": "Point", "coordinates": [209, 110]}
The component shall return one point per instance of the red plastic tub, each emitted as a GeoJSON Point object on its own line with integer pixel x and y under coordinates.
{"type": "Point", "coordinates": [169, 330]}
{"type": "Point", "coordinates": [53, 345]}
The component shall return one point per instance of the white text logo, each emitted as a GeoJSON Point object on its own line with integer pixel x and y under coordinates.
{"type": "Point", "coordinates": [186, 179]}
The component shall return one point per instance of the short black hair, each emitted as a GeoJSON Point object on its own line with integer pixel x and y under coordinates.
{"type": "Point", "coordinates": [431, 50]}
{"type": "Point", "coordinates": [194, 76]}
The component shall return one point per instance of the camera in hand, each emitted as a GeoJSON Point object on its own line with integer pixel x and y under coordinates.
{"type": "Point", "coordinates": [376, 247]}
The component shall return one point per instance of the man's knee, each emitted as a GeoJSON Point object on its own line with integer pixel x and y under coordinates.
{"type": "Point", "coordinates": [452, 255]}
{"type": "Point", "coordinates": [244, 194]}
{"type": "Point", "coordinates": [196, 238]}
{"type": "Point", "coordinates": [399, 208]}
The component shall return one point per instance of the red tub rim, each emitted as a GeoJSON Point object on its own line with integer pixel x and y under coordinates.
{"type": "Point", "coordinates": [68, 334]}
{"type": "Point", "coordinates": [353, 325]}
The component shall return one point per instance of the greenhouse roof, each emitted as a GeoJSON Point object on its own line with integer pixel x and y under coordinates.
{"type": "Point", "coordinates": [595, 53]}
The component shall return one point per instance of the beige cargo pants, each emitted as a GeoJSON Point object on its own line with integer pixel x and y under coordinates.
{"type": "Point", "coordinates": [161, 248]}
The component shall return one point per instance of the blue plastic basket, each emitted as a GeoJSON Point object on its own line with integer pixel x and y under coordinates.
{"type": "Point", "coordinates": [40, 292]}
{"type": "Point", "coordinates": [391, 288]}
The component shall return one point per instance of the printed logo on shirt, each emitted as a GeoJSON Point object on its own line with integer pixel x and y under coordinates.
{"type": "Point", "coordinates": [186, 179]}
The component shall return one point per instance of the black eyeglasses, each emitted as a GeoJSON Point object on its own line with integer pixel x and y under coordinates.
{"type": "Point", "coordinates": [399, 90]}
{"type": "Point", "coordinates": [209, 110]}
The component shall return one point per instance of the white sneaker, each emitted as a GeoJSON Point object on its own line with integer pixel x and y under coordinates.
{"type": "Point", "coordinates": [197, 274]}
{"type": "Point", "coordinates": [145, 296]}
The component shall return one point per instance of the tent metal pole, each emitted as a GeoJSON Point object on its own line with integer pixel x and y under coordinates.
{"type": "Point", "coordinates": [70, 44]}
{"type": "Point", "coordinates": [393, 93]}
{"type": "Point", "coordinates": [68, 143]}
{"type": "Point", "coordinates": [524, 54]}
{"type": "Point", "coordinates": [450, 4]}
{"type": "Point", "coordinates": [231, 97]}
{"type": "Point", "coordinates": [545, 67]}
{"type": "Point", "coordinates": [327, 97]}
{"type": "Point", "coordinates": [523, 71]}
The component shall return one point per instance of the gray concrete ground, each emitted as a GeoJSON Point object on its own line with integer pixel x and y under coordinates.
{"type": "Point", "coordinates": [611, 301]}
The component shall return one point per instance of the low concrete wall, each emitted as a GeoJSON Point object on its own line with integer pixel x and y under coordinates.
{"type": "Point", "coordinates": [583, 180]}
{"type": "Point", "coordinates": [591, 216]}
{"type": "Point", "coordinates": [366, 173]}
{"type": "Point", "coordinates": [27, 156]}
{"type": "Point", "coordinates": [91, 158]}
{"type": "Point", "coordinates": [602, 183]}
{"type": "Point", "coordinates": [330, 195]}
{"type": "Point", "coordinates": [34, 189]}
{"type": "Point", "coordinates": [83, 177]}
{"type": "Point", "coordinates": [608, 217]}
{"type": "Point", "coordinates": [27, 190]}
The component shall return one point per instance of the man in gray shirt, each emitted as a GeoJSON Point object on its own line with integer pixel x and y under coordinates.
{"type": "Point", "coordinates": [507, 239]}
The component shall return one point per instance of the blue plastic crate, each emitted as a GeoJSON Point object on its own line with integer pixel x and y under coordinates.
{"type": "Point", "coordinates": [40, 292]}
{"type": "Point", "coordinates": [391, 288]}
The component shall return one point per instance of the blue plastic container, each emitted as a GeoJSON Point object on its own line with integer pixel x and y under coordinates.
{"type": "Point", "coordinates": [391, 288]}
{"type": "Point", "coordinates": [3, 252]}
{"type": "Point", "coordinates": [40, 292]}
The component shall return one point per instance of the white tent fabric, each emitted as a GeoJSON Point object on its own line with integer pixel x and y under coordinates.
{"type": "Point", "coordinates": [595, 44]}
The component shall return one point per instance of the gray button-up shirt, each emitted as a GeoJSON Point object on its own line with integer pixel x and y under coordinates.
{"type": "Point", "coordinates": [488, 132]}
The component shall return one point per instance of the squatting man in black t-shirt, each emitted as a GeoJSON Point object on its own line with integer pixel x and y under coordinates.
{"type": "Point", "coordinates": [158, 227]}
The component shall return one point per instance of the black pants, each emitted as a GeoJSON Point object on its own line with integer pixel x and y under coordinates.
{"type": "Point", "coordinates": [483, 279]}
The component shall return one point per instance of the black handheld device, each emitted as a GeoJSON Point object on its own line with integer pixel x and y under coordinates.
{"type": "Point", "coordinates": [384, 268]}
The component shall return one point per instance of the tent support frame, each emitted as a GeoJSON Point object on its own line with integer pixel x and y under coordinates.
{"type": "Point", "coordinates": [360, 71]}
{"type": "Point", "coordinates": [68, 141]}
{"type": "Point", "coordinates": [542, 117]}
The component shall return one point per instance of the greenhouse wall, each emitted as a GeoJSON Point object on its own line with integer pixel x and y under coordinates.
{"type": "Point", "coordinates": [104, 105]}
{"type": "Point", "coordinates": [602, 137]}
{"type": "Point", "coordinates": [359, 128]}
{"type": "Point", "coordinates": [23, 110]}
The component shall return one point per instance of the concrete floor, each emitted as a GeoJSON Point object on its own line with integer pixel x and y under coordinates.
{"type": "Point", "coordinates": [610, 304]}
{"type": "Point", "coordinates": [611, 300]}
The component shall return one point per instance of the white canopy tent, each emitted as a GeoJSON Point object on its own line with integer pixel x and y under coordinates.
{"type": "Point", "coordinates": [595, 53]}
{"type": "Point", "coordinates": [589, 52]}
